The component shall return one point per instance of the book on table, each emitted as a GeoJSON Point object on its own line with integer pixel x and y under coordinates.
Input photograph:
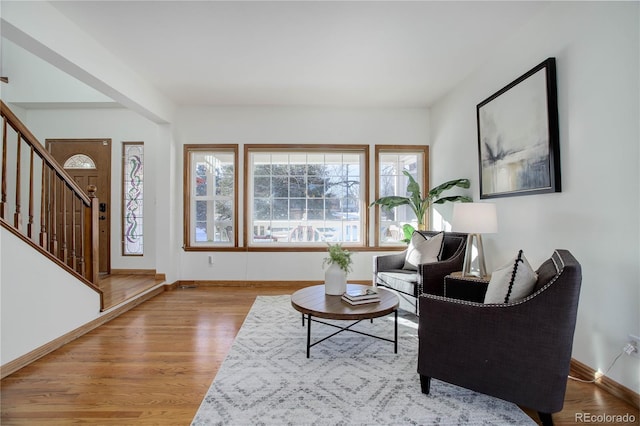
{"type": "Point", "coordinates": [361, 294]}
{"type": "Point", "coordinates": [361, 301]}
{"type": "Point", "coordinates": [360, 297]}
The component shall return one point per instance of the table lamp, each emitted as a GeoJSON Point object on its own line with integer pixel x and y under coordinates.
{"type": "Point", "coordinates": [474, 219]}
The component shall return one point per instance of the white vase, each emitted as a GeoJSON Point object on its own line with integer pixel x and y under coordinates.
{"type": "Point", "coordinates": [335, 280]}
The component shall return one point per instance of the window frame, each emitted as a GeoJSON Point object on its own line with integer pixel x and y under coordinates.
{"type": "Point", "coordinates": [188, 149]}
{"type": "Point", "coordinates": [424, 183]}
{"type": "Point", "coordinates": [306, 148]}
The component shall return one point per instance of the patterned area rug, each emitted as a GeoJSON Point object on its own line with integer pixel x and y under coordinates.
{"type": "Point", "coordinates": [349, 379]}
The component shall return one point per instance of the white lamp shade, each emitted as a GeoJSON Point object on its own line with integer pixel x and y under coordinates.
{"type": "Point", "coordinates": [474, 218]}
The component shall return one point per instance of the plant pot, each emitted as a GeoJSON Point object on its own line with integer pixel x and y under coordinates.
{"type": "Point", "coordinates": [335, 280]}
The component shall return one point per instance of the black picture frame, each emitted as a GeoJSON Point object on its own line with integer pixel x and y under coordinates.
{"type": "Point", "coordinates": [518, 136]}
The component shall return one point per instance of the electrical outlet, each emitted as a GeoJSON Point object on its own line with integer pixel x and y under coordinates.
{"type": "Point", "coordinates": [632, 348]}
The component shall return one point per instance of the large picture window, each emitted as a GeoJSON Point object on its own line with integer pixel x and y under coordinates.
{"type": "Point", "coordinates": [210, 196]}
{"type": "Point", "coordinates": [307, 195]}
{"type": "Point", "coordinates": [391, 162]}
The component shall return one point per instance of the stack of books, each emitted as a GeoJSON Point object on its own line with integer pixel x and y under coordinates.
{"type": "Point", "coordinates": [361, 297]}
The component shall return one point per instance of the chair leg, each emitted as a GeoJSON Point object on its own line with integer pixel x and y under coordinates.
{"type": "Point", "coordinates": [425, 384]}
{"type": "Point", "coordinates": [545, 418]}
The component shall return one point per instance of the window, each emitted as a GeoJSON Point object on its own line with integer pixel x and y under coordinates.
{"type": "Point", "coordinates": [132, 198]}
{"type": "Point", "coordinates": [307, 195]}
{"type": "Point", "coordinates": [210, 205]}
{"type": "Point", "coordinates": [391, 162]}
{"type": "Point", "coordinates": [79, 161]}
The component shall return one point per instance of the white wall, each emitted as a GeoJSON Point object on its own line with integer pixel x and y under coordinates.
{"type": "Point", "coordinates": [35, 80]}
{"type": "Point", "coordinates": [58, 302]}
{"type": "Point", "coordinates": [596, 216]}
{"type": "Point", "coordinates": [294, 126]}
{"type": "Point", "coordinates": [119, 125]}
{"type": "Point", "coordinates": [37, 26]}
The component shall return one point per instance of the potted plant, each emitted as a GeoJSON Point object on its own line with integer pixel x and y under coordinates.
{"type": "Point", "coordinates": [335, 277]}
{"type": "Point", "coordinates": [420, 204]}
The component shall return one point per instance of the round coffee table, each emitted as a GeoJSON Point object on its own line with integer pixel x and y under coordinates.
{"type": "Point", "coordinates": [313, 302]}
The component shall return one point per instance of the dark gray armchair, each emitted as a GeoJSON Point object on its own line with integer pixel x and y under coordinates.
{"type": "Point", "coordinates": [518, 351]}
{"type": "Point", "coordinates": [429, 278]}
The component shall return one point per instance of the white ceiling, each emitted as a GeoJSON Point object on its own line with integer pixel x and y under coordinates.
{"type": "Point", "coordinates": [330, 53]}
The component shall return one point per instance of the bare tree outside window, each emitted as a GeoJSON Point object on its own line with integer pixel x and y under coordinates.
{"type": "Point", "coordinates": [391, 162]}
{"type": "Point", "coordinates": [211, 199]}
{"type": "Point", "coordinates": [306, 197]}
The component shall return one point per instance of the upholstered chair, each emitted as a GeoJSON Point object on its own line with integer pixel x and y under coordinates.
{"type": "Point", "coordinates": [518, 351]}
{"type": "Point", "coordinates": [389, 270]}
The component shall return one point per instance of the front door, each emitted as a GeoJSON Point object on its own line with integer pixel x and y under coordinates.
{"type": "Point", "coordinates": [88, 162]}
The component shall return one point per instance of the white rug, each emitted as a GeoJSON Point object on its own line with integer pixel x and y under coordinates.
{"type": "Point", "coordinates": [350, 379]}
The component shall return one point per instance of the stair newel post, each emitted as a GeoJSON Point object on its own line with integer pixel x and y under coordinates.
{"type": "Point", "coordinates": [93, 233]}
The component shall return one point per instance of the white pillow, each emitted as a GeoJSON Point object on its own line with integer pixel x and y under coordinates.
{"type": "Point", "coordinates": [511, 282]}
{"type": "Point", "coordinates": [423, 249]}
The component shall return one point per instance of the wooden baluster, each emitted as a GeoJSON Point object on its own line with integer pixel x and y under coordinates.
{"type": "Point", "coordinates": [17, 217]}
{"type": "Point", "coordinates": [3, 197]}
{"type": "Point", "coordinates": [64, 252]}
{"type": "Point", "coordinates": [30, 222]}
{"type": "Point", "coordinates": [72, 254]}
{"type": "Point", "coordinates": [92, 237]}
{"type": "Point", "coordinates": [44, 202]}
{"type": "Point", "coordinates": [53, 245]}
{"type": "Point", "coordinates": [82, 241]}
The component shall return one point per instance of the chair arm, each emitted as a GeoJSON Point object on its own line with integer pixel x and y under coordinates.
{"type": "Point", "coordinates": [431, 275]}
{"type": "Point", "coordinates": [387, 262]}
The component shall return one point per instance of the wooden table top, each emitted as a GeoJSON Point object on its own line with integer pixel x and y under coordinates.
{"type": "Point", "coordinates": [314, 301]}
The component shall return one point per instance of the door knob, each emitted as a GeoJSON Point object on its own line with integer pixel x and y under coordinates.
{"type": "Point", "coordinates": [102, 218]}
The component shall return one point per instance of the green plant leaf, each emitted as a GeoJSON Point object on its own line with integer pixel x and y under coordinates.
{"type": "Point", "coordinates": [339, 256]}
{"type": "Point", "coordinates": [407, 231]}
{"type": "Point", "coordinates": [391, 201]}
{"type": "Point", "coordinates": [462, 183]}
{"type": "Point", "coordinates": [413, 187]}
{"type": "Point", "coordinates": [418, 204]}
{"type": "Point", "coordinates": [453, 199]}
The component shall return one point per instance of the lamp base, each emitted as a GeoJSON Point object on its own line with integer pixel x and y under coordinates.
{"type": "Point", "coordinates": [468, 257]}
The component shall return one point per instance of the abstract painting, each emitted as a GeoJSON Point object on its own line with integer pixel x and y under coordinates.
{"type": "Point", "coordinates": [518, 140]}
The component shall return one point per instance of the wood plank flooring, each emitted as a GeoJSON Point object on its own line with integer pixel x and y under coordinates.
{"type": "Point", "coordinates": [120, 287]}
{"type": "Point", "coordinates": [154, 364]}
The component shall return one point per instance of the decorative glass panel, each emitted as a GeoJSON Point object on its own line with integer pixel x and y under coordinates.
{"type": "Point", "coordinates": [79, 161]}
{"type": "Point", "coordinates": [133, 196]}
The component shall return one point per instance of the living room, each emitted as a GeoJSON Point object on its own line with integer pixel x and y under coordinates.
{"type": "Point", "coordinates": [596, 48]}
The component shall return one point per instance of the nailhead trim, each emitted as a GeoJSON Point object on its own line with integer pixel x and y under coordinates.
{"type": "Point", "coordinates": [557, 261]}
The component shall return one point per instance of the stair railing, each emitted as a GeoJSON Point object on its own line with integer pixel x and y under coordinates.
{"type": "Point", "coordinates": [57, 217]}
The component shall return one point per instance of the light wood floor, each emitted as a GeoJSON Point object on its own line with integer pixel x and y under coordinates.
{"type": "Point", "coordinates": [154, 364]}
{"type": "Point", "coordinates": [117, 288]}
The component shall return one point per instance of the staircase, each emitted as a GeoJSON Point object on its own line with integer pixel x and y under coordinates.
{"type": "Point", "coordinates": [42, 205]}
